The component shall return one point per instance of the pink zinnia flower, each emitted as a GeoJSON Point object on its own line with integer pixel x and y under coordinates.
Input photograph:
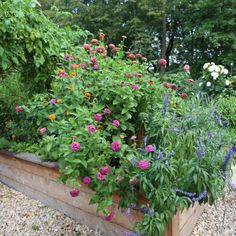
{"type": "Point", "coordinates": [183, 95]}
{"type": "Point", "coordinates": [114, 50]}
{"type": "Point", "coordinates": [100, 49]}
{"type": "Point", "coordinates": [62, 73]}
{"type": "Point", "coordinates": [110, 216]}
{"type": "Point", "coordinates": [150, 148]}
{"type": "Point", "coordinates": [143, 164]}
{"type": "Point", "coordinates": [74, 193]}
{"type": "Point", "coordinates": [116, 146]}
{"type": "Point", "coordinates": [107, 112]}
{"type": "Point", "coordinates": [91, 128]}
{"type": "Point", "coordinates": [133, 137]}
{"type": "Point", "coordinates": [111, 46]}
{"type": "Point", "coordinates": [19, 109]}
{"type": "Point", "coordinates": [75, 146]}
{"type": "Point", "coordinates": [83, 66]}
{"type": "Point", "coordinates": [100, 176]}
{"type": "Point", "coordinates": [86, 180]}
{"type": "Point", "coordinates": [174, 87]}
{"type": "Point", "coordinates": [137, 74]}
{"type": "Point", "coordinates": [98, 117]}
{"type": "Point", "coordinates": [53, 101]}
{"type": "Point", "coordinates": [95, 66]}
{"type": "Point", "coordinates": [94, 41]}
{"type": "Point", "coordinates": [134, 86]}
{"type": "Point", "coordinates": [104, 170]}
{"type": "Point", "coordinates": [87, 47]}
{"type": "Point", "coordinates": [129, 75]}
{"type": "Point", "coordinates": [162, 62]}
{"type": "Point", "coordinates": [116, 123]}
{"type": "Point", "coordinates": [94, 60]}
{"type": "Point", "coordinates": [187, 68]}
{"type": "Point", "coordinates": [43, 130]}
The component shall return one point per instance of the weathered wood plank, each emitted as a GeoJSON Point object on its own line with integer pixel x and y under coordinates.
{"type": "Point", "coordinates": [92, 221]}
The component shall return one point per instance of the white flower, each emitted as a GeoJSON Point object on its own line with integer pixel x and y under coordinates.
{"type": "Point", "coordinates": [208, 84]}
{"type": "Point", "coordinates": [212, 68]}
{"type": "Point", "coordinates": [215, 75]}
{"type": "Point", "coordinates": [225, 71]}
{"type": "Point", "coordinates": [217, 69]}
{"type": "Point", "coordinates": [227, 82]}
{"type": "Point", "coordinates": [206, 65]}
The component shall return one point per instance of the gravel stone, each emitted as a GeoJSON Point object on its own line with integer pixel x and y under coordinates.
{"type": "Point", "coordinates": [22, 216]}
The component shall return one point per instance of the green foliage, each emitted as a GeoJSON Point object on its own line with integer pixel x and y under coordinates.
{"type": "Point", "coordinates": [186, 136]}
{"type": "Point", "coordinates": [31, 44]}
{"type": "Point", "coordinates": [227, 108]}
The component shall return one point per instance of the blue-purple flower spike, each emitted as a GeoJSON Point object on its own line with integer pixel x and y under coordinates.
{"type": "Point", "coordinates": [201, 151]}
{"type": "Point", "coordinates": [166, 102]}
{"type": "Point", "coordinates": [200, 197]}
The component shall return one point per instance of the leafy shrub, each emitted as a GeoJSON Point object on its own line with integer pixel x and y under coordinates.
{"type": "Point", "coordinates": [227, 108]}
{"type": "Point", "coordinates": [93, 122]}
{"type": "Point", "coordinates": [31, 44]}
{"type": "Point", "coordinates": [215, 80]}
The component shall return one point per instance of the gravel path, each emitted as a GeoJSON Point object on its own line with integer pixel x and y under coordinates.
{"type": "Point", "coordinates": [22, 216]}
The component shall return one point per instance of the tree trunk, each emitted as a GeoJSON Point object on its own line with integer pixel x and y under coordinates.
{"type": "Point", "coordinates": [163, 41]}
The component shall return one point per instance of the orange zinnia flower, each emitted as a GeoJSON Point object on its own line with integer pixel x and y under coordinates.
{"type": "Point", "coordinates": [72, 74]}
{"type": "Point", "coordinates": [52, 117]}
{"type": "Point", "coordinates": [150, 82]}
{"type": "Point", "coordinates": [59, 100]}
{"type": "Point", "coordinates": [99, 127]}
{"type": "Point", "coordinates": [88, 95]}
{"type": "Point", "coordinates": [101, 35]}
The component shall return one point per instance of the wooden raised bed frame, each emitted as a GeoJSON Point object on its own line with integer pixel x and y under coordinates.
{"type": "Point", "coordinates": [38, 179]}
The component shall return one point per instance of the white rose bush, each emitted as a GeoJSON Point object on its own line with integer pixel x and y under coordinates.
{"type": "Point", "coordinates": [216, 79]}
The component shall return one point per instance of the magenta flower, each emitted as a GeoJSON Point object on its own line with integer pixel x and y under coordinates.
{"type": "Point", "coordinates": [94, 41]}
{"type": "Point", "coordinates": [116, 123]}
{"type": "Point", "coordinates": [74, 193]}
{"type": "Point", "coordinates": [107, 112]}
{"type": "Point", "coordinates": [67, 57]}
{"type": "Point", "coordinates": [94, 60]}
{"type": "Point", "coordinates": [95, 66]}
{"type": "Point", "coordinates": [82, 65]}
{"type": "Point", "coordinates": [104, 170]}
{"type": "Point", "coordinates": [187, 68]}
{"type": "Point", "coordinates": [137, 74]}
{"type": "Point", "coordinates": [134, 86]}
{"type": "Point", "coordinates": [162, 62]}
{"type": "Point", "coordinates": [19, 109]}
{"type": "Point", "coordinates": [100, 176]}
{"type": "Point", "coordinates": [183, 95]}
{"type": "Point", "coordinates": [91, 128]}
{"type": "Point", "coordinates": [87, 47]}
{"type": "Point", "coordinates": [150, 148]}
{"type": "Point", "coordinates": [129, 75]}
{"type": "Point", "coordinates": [53, 101]}
{"type": "Point", "coordinates": [111, 46]}
{"type": "Point", "coordinates": [98, 117]}
{"type": "Point", "coordinates": [100, 49]}
{"type": "Point", "coordinates": [110, 216]}
{"type": "Point", "coordinates": [114, 50]}
{"type": "Point", "coordinates": [62, 73]}
{"type": "Point", "coordinates": [43, 130]}
{"type": "Point", "coordinates": [75, 146]}
{"type": "Point", "coordinates": [143, 164]}
{"type": "Point", "coordinates": [86, 180]}
{"type": "Point", "coordinates": [116, 146]}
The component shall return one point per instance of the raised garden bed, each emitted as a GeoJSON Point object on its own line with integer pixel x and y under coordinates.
{"type": "Point", "coordinates": [38, 180]}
